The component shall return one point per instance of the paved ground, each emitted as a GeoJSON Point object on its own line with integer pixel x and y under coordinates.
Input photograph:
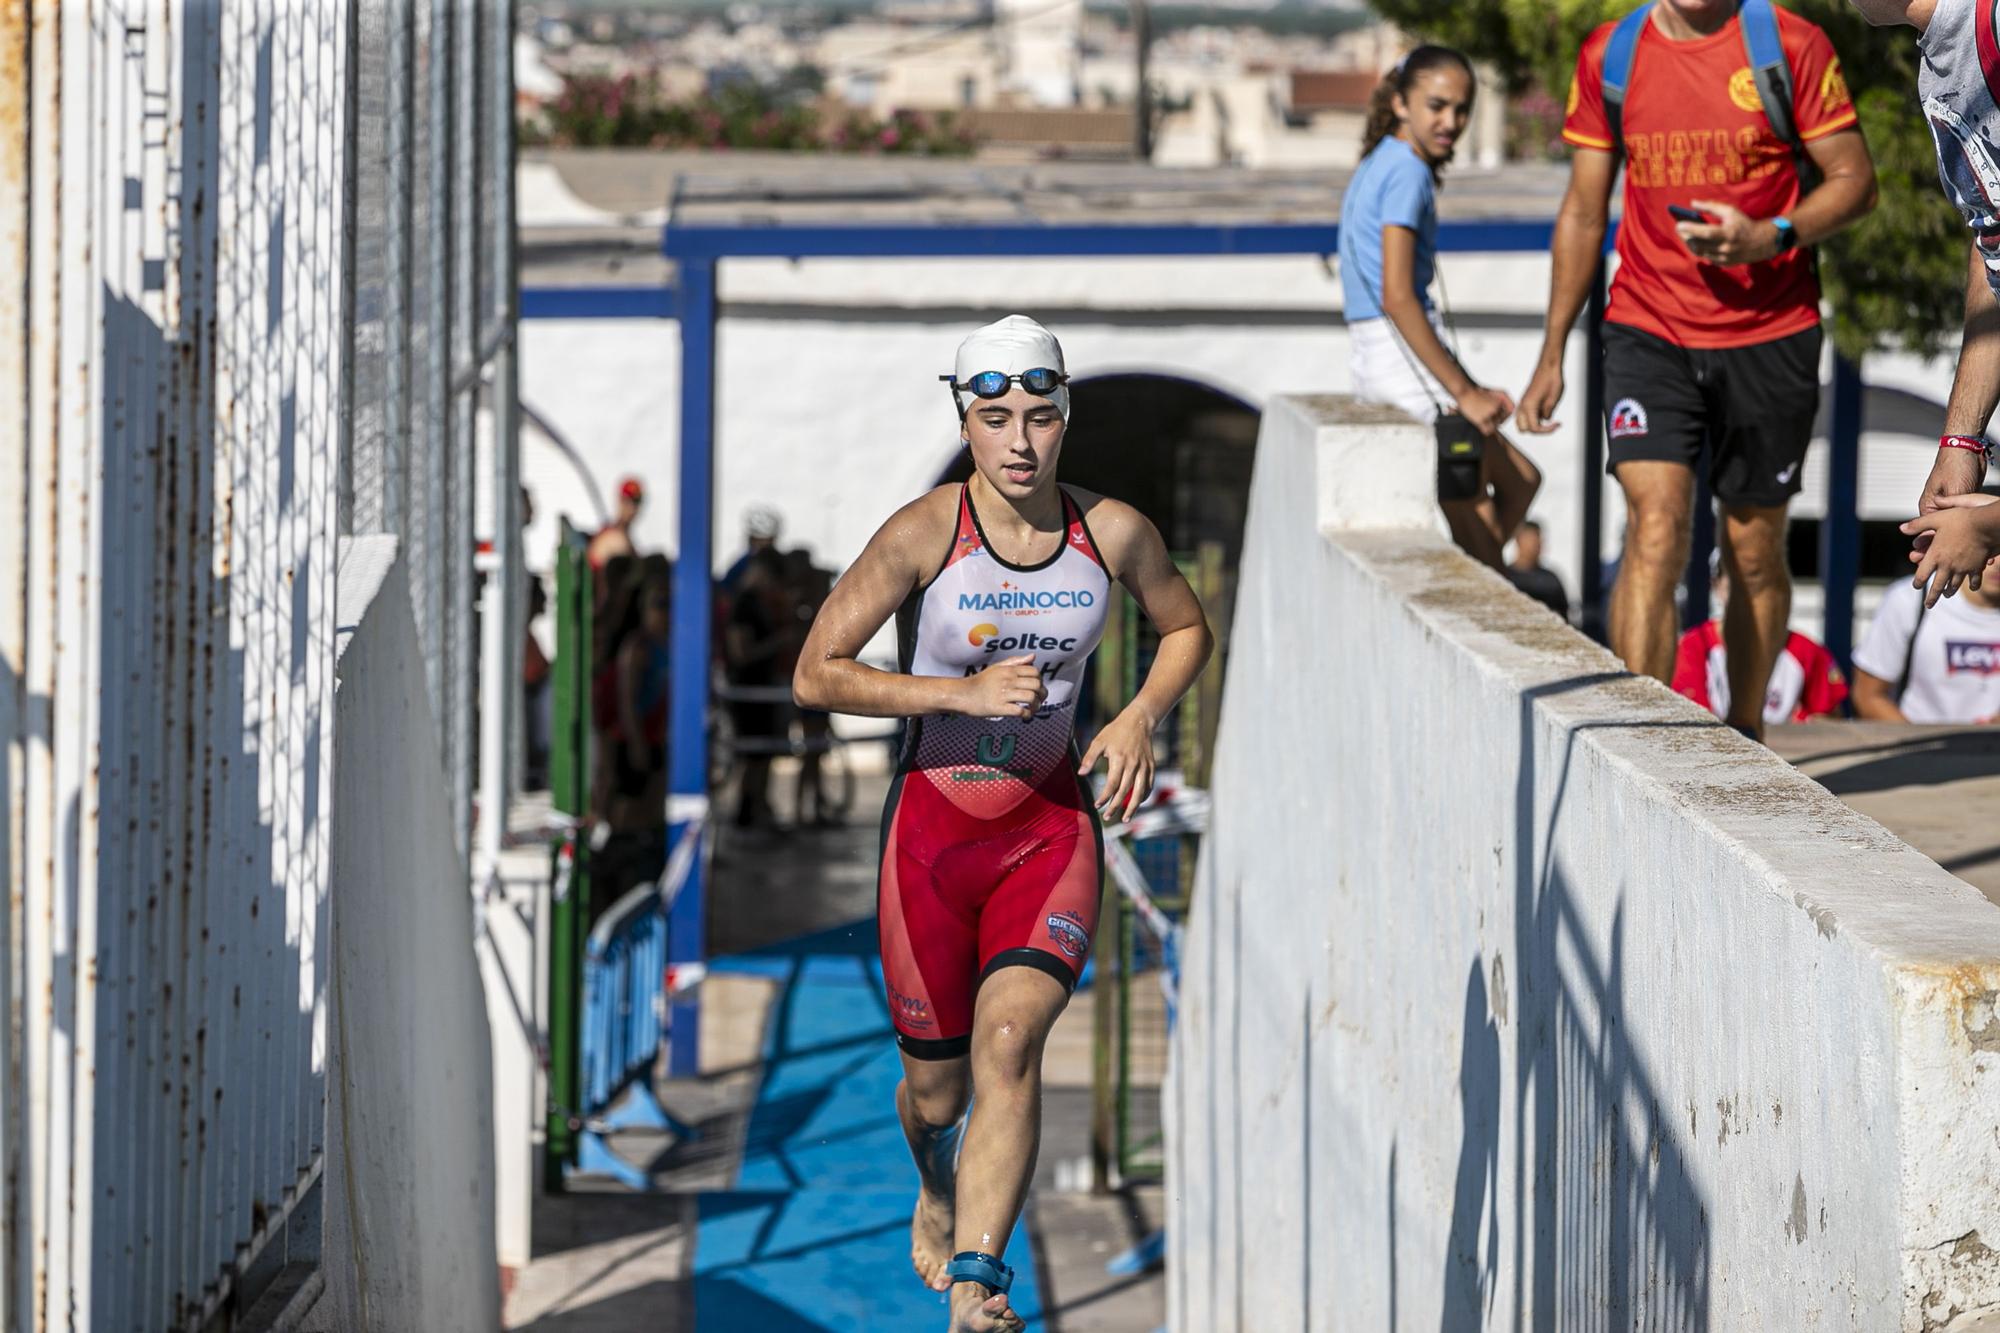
{"type": "Point", "coordinates": [607, 1260]}
{"type": "Point", "coordinates": [1936, 788]}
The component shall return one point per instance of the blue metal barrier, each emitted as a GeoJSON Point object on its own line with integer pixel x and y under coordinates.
{"type": "Point", "coordinates": [625, 1016]}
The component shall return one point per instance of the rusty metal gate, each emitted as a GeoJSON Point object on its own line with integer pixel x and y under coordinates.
{"type": "Point", "coordinates": [255, 277]}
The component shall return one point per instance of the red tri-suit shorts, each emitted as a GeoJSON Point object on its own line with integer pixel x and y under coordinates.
{"type": "Point", "coordinates": [960, 897]}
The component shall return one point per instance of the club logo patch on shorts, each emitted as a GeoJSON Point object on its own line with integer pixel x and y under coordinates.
{"type": "Point", "coordinates": [914, 1012]}
{"type": "Point", "coordinates": [1066, 929]}
{"type": "Point", "coordinates": [1628, 417]}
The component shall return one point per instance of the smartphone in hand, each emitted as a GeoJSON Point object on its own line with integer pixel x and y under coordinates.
{"type": "Point", "coordinates": [1683, 213]}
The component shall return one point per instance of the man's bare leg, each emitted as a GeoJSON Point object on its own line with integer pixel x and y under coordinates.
{"type": "Point", "coordinates": [1016, 1008]}
{"type": "Point", "coordinates": [1755, 623]}
{"type": "Point", "coordinates": [930, 1101]}
{"type": "Point", "coordinates": [1659, 502]}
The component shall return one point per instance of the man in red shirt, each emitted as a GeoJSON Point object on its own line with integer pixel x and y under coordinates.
{"type": "Point", "coordinates": [1712, 334]}
{"type": "Point", "coordinates": [1805, 682]}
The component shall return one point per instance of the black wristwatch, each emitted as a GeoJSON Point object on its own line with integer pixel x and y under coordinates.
{"type": "Point", "coordinates": [1788, 235]}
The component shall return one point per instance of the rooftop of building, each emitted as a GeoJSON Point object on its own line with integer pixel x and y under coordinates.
{"type": "Point", "coordinates": [593, 216]}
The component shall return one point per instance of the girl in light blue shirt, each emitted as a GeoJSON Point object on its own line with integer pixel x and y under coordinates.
{"type": "Point", "coordinates": [1388, 261]}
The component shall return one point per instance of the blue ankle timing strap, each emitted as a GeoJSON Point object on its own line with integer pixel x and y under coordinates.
{"type": "Point", "coordinates": [978, 1266]}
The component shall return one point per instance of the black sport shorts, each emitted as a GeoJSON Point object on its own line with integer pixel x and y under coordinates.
{"type": "Point", "coordinates": [1755, 404]}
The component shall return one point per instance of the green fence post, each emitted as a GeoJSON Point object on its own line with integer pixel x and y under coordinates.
{"type": "Point", "coordinates": [569, 783]}
{"type": "Point", "coordinates": [1103, 1103]}
{"type": "Point", "coordinates": [1125, 923]}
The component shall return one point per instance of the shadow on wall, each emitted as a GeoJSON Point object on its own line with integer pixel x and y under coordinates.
{"type": "Point", "coordinates": [209, 852]}
{"type": "Point", "coordinates": [1613, 1217]}
{"type": "Point", "coordinates": [1468, 1280]}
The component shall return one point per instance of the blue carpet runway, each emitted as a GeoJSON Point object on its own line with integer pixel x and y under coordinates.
{"type": "Point", "coordinates": [816, 1234]}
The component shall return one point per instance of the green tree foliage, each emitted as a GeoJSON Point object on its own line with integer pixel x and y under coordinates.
{"type": "Point", "coordinates": [1897, 279]}
{"type": "Point", "coordinates": [599, 111]}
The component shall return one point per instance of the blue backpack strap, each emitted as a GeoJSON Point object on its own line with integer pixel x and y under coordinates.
{"type": "Point", "coordinates": [978, 1266]}
{"type": "Point", "coordinates": [1618, 53]}
{"type": "Point", "coordinates": [1769, 67]}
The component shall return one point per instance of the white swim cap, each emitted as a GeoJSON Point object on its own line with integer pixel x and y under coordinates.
{"type": "Point", "coordinates": [1011, 346]}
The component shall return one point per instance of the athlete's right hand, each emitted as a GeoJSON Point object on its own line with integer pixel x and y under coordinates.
{"type": "Point", "coordinates": [1487, 409]}
{"type": "Point", "coordinates": [1010, 688]}
{"type": "Point", "coordinates": [1539, 399]}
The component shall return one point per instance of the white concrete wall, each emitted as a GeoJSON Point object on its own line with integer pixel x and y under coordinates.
{"type": "Point", "coordinates": [409, 1239]}
{"type": "Point", "coordinates": [1519, 993]}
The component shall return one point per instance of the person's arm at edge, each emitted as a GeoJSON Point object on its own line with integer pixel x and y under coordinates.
{"type": "Point", "coordinates": [1889, 645]}
{"type": "Point", "coordinates": [828, 677]}
{"type": "Point", "coordinates": [1975, 391]}
{"type": "Point", "coordinates": [1138, 558]}
{"type": "Point", "coordinates": [1574, 254]}
{"type": "Point", "coordinates": [1874, 699]}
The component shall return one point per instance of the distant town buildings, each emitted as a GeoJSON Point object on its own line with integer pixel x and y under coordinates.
{"type": "Point", "coordinates": [1029, 78]}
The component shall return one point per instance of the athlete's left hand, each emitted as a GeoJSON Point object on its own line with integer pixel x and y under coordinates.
{"type": "Point", "coordinates": [1126, 746]}
{"type": "Point", "coordinates": [1733, 238]}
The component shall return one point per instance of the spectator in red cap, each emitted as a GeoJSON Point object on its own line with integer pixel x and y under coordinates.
{"type": "Point", "coordinates": [615, 538]}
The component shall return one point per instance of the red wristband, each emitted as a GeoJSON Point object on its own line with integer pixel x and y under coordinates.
{"type": "Point", "coordinates": [1971, 442]}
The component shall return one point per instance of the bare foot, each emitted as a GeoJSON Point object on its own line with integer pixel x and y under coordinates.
{"type": "Point", "coordinates": [973, 1311]}
{"type": "Point", "coordinates": [930, 1240]}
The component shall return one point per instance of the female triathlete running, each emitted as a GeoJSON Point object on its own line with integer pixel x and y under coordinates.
{"type": "Point", "coordinates": [991, 850]}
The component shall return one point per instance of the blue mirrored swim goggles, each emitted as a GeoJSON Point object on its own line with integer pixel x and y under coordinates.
{"type": "Point", "coordinates": [1040, 381]}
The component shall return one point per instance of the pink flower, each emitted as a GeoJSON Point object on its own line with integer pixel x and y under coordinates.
{"type": "Point", "coordinates": [891, 136]}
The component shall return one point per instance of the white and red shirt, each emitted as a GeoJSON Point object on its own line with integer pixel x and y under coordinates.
{"type": "Point", "coordinates": [1805, 681]}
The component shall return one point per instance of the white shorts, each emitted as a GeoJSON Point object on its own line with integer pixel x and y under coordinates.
{"type": "Point", "coordinates": [1387, 371]}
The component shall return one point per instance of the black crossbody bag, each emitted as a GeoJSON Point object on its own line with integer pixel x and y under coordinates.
{"type": "Point", "coordinates": [1461, 449]}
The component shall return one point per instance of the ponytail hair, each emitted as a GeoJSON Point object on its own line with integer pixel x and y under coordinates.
{"type": "Point", "coordinates": [1382, 118]}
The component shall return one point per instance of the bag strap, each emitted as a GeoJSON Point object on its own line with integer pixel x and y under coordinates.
{"type": "Point", "coordinates": [1910, 653]}
{"type": "Point", "coordinates": [1770, 69]}
{"type": "Point", "coordinates": [1617, 72]}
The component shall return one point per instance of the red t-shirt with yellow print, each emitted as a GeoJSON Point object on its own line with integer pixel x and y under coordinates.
{"type": "Point", "coordinates": [1695, 129]}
